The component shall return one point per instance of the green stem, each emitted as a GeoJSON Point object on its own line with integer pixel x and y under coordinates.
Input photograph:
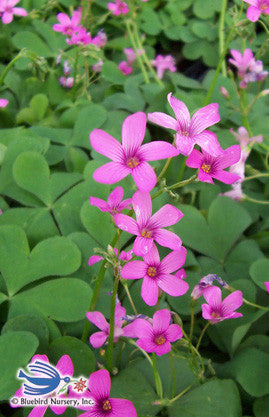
{"type": "Point", "coordinates": [158, 382]}
{"type": "Point", "coordinates": [264, 26]}
{"type": "Point", "coordinates": [132, 39]}
{"type": "Point", "coordinates": [201, 335]}
{"type": "Point", "coordinates": [109, 352]}
{"type": "Point", "coordinates": [163, 171]}
{"type": "Point", "coordinates": [10, 65]}
{"type": "Point", "coordinates": [192, 322]}
{"type": "Point", "coordinates": [129, 297]}
{"type": "Point", "coordinates": [221, 35]}
{"type": "Point", "coordinates": [214, 80]}
{"type": "Point", "coordinates": [96, 291]}
{"type": "Point", "coordinates": [243, 106]}
{"type": "Point", "coordinates": [173, 373]}
{"type": "Point", "coordinates": [182, 392]}
{"type": "Point", "coordinates": [182, 168]}
{"type": "Point", "coordinates": [256, 176]}
{"type": "Point", "coordinates": [182, 183]}
{"type": "Point", "coordinates": [253, 200]}
{"type": "Point", "coordinates": [74, 89]}
{"type": "Point", "coordinates": [132, 342]}
{"type": "Point", "coordinates": [255, 305]}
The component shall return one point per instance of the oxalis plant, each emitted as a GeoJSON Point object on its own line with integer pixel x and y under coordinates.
{"type": "Point", "coordinates": [134, 211]}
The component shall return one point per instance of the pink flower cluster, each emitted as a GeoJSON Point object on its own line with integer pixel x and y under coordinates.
{"type": "Point", "coordinates": [249, 70]}
{"type": "Point", "coordinates": [239, 168]}
{"type": "Point", "coordinates": [7, 10]}
{"type": "Point", "coordinates": [3, 102]}
{"type": "Point", "coordinates": [119, 7]}
{"type": "Point", "coordinates": [163, 63]}
{"type": "Point", "coordinates": [257, 7]}
{"type": "Point", "coordinates": [76, 34]}
{"type": "Point", "coordinates": [126, 66]}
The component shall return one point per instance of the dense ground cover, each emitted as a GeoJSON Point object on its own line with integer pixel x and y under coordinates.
{"type": "Point", "coordinates": [134, 218]}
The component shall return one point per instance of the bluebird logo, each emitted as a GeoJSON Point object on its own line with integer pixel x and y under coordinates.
{"type": "Point", "coordinates": [44, 379]}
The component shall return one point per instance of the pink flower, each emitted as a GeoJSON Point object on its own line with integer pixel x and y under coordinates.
{"type": "Point", "coordinates": [190, 131]}
{"type": "Point", "coordinates": [8, 10]}
{"type": "Point", "coordinates": [67, 25]}
{"type": "Point", "coordinates": [256, 73]}
{"type": "Point", "coordinates": [157, 274]}
{"type": "Point", "coordinates": [99, 385]}
{"type": "Point", "coordinates": [3, 102]}
{"type": "Point", "coordinates": [66, 68]}
{"type": "Point", "coordinates": [243, 137]}
{"type": "Point", "coordinates": [114, 202]}
{"type": "Point", "coordinates": [130, 157]}
{"type": "Point", "coordinates": [267, 285]}
{"type": "Point", "coordinates": [98, 66]}
{"type": "Point", "coordinates": [204, 283]}
{"type": "Point", "coordinates": [213, 167]}
{"type": "Point", "coordinates": [123, 256]}
{"type": "Point", "coordinates": [65, 367]}
{"type": "Point", "coordinates": [66, 82]}
{"type": "Point", "coordinates": [241, 61]}
{"type": "Point", "coordinates": [119, 7]}
{"type": "Point", "coordinates": [148, 228]}
{"type": "Point", "coordinates": [156, 337]}
{"type": "Point", "coordinates": [125, 68]}
{"type": "Point", "coordinates": [163, 63]}
{"type": "Point", "coordinates": [217, 310]}
{"type": "Point", "coordinates": [100, 39]}
{"type": "Point", "coordinates": [80, 37]}
{"type": "Point", "coordinates": [95, 317]}
{"type": "Point", "coordinates": [256, 9]}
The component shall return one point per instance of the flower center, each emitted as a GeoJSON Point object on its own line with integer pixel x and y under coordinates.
{"type": "Point", "coordinates": [184, 133]}
{"type": "Point", "coordinates": [160, 340]}
{"type": "Point", "coordinates": [263, 7]}
{"type": "Point", "coordinates": [206, 168]}
{"type": "Point", "coordinates": [106, 405]}
{"type": "Point", "coordinates": [152, 271]}
{"type": "Point", "coordinates": [132, 162]}
{"type": "Point", "coordinates": [146, 233]}
{"type": "Point", "coordinates": [215, 314]}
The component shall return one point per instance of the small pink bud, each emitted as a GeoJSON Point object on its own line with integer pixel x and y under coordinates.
{"type": "Point", "coordinates": [224, 92]}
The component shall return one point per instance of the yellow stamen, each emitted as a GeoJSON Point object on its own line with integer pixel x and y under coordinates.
{"type": "Point", "coordinates": [107, 405]}
{"type": "Point", "coordinates": [206, 168]}
{"type": "Point", "coordinates": [160, 340]}
{"type": "Point", "coordinates": [215, 315]}
{"type": "Point", "coordinates": [152, 271]}
{"type": "Point", "coordinates": [184, 133]}
{"type": "Point", "coordinates": [132, 162]}
{"type": "Point", "coordinates": [146, 233]}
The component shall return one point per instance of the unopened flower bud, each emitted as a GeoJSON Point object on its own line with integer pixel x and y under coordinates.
{"type": "Point", "coordinates": [224, 92]}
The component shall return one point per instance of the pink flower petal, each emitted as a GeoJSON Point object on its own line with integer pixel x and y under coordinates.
{"type": "Point", "coordinates": [65, 366]}
{"type": "Point", "coordinates": [106, 145]}
{"type": "Point", "coordinates": [152, 257]}
{"type": "Point", "coordinates": [232, 302]}
{"type": "Point", "coordinates": [181, 274]}
{"type": "Point", "coordinates": [110, 173]}
{"type": "Point", "coordinates": [143, 328]}
{"type": "Point", "coordinates": [58, 27]}
{"type": "Point", "coordinates": [226, 177]}
{"type": "Point", "coordinates": [184, 144]}
{"type": "Point", "coordinates": [142, 245]}
{"type": "Point", "coordinates": [205, 177]}
{"type": "Point", "coordinates": [209, 143]}
{"type": "Point", "coordinates": [206, 312]}
{"type": "Point", "coordinates": [63, 18]}
{"type": "Point", "coordinates": [7, 18]}
{"type": "Point", "coordinates": [162, 349]}
{"type": "Point", "coordinates": [76, 17]}
{"type": "Point", "coordinates": [174, 260]}
{"type": "Point", "coordinates": [253, 13]}
{"type": "Point", "coordinates": [205, 117]}
{"type": "Point", "coordinates": [134, 270]}
{"type": "Point", "coordinates": [38, 412]}
{"type": "Point", "coordinates": [150, 291]}
{"type": "Point", "coordinates": [98, 202]}
{"type": "Point", "coordinates": [144, 176]}
{"type": "Point", "coordinates": [163, 119]}
{"type": "Point", "coordinates": [142, 206]}
{"type": "Point", "coordinates": [195, 159]}
{"type": "Point", "coordinates": [94, 259]}
{"type": "Point", "coordinates": [98, 339]}
{"type": "Point", "coordinates": [119, 313]}
{"type": "Point", "coordinates": [157, 150]}
{"type": "Point", "coordinates": [19, 11]}
{"type": "Point", "coordinates": [229, 156]}
{"type": "Point", "coordinates": [147, 345]}
{"type": "Point", "coordinates": [130, 330]}
{"type": "Point", "coordinates": [122, 408]}
{"type": "Point", "coordinates": [166, 216]}
{"type": "Point", "coordinates": [98, 319]}
{"type": "Point", "coordinates": [161, 321]}
{"type": "Point", "coordinates": [173, 333]}
{"type": "Point", "coordinates": [181, 112]}
{"type": "Point", "coordinates": [3, 102]}
{"type": "Point", "coordinates": [133, 131]}
{"type": "Point", "coordinates": [235, 315]}
{"type": "Point", "coordinates": [99, 384]}
{"type": "Point", "coordinates": [115, 197]}
{"type": "Point", "coordinates": [42, 358]}
{"type": "Point", "coordinates": [167, 239]}
{"type": "Point", "coordinates": [172, 285]}
{"type": "Point", "coordinates": [126, 223]}
{"type": "Point", "coordinates": [57, 409]}
{"type": "Point", "coordinates": [212, 296]}
{"type": "Point", "coordinates": [266, 283]}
